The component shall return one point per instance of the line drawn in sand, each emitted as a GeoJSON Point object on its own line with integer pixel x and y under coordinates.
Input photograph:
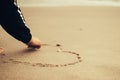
{"type": "Point", "coordinates": [39, 64]}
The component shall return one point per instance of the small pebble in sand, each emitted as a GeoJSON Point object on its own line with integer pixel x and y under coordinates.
{"type": "Point", "coordinates": [79, 57]}
{"type": "Point", "coordinates": [11, 59]}
{"type": "Point", "coordinates": [65, 64]}
{"type": "Point", "coordinates": [77, 54]}
{"type": "Point", "coordinates": [58, 45]}
{"type": "Point", "coordinates": [80, 60]}
{"type": "Point", "coordinates": [5, 61]}
{"type": "Point", "coordinates": [56, 65]}
{"type": "Point", "coordinates": [26, 63]}
{"type": "Point", "coordinates": [33, 65]}
{"type": "Point", "coordinates": [3, 54]}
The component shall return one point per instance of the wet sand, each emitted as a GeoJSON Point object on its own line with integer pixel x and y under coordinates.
{"type": "Point", "coordinates": [80, 43]}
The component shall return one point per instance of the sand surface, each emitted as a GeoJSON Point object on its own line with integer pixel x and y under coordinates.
{"type": "Point", "coordinates": [82, 43]}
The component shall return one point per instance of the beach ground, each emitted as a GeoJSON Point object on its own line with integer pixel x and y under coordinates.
{"type": "Point", "coordinates": [80, 43]}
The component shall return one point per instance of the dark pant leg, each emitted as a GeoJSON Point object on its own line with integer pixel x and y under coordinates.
{"type": "Point", "coordinates": [12, 21]}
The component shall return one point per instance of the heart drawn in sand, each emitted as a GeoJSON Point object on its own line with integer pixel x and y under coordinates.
{"type": "Point", "coordinates": [39, 64]}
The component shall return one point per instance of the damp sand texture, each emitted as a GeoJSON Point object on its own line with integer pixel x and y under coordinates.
{"type": "Point", "coordinates": [91, 32]}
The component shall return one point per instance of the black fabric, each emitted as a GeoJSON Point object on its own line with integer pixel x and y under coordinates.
{"type": "Point", "coordinates": [12, 22]}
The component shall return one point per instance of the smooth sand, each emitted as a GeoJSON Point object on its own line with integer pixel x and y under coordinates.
{"type": "Point", "coordinates": [91, 32]}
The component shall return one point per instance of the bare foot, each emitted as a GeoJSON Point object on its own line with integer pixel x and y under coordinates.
{"type": "Point", "coordinates": [34, 43]}
{"type": "Point", "coordinates": [1, 50]}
